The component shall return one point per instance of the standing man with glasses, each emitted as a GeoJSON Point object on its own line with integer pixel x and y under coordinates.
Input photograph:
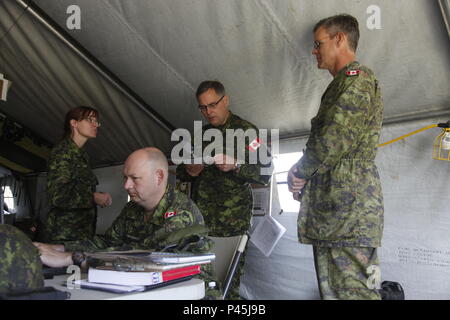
{"type": "Point", "coordinates": [336, 180]}
{"type": "Point", "coordinates": [222, 190]}
{"type": "Point", "coordinates": [71, 184]}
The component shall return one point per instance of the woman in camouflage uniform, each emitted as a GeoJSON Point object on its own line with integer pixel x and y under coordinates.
{"type": "Point", "coordinates": [71, 183]}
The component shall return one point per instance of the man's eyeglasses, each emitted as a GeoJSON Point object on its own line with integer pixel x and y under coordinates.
{"type": "Point", "coordinates": [320, 42]}
{"type": "Point", "coordinates": [317, 45]}
{"type": "Point", "coordinates": [212, 105]}
{"type": "Point", "coordinates": [93, 121]}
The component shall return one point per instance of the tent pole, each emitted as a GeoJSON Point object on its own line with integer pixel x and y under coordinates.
{"type": "Point", "coordinates": [445, 9]}
{"type": "Point", "coordinates": [2, 199]}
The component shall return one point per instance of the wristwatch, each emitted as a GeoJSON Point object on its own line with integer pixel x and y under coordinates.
{"type": "Point", "coordinates": [78, 257]}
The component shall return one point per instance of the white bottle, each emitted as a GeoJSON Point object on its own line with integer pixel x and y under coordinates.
{"type": "Point", "coordinates": [212, 285]}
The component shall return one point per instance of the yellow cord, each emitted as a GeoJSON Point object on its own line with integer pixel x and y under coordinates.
{"type": "Point", "coordinates": [407, 135]}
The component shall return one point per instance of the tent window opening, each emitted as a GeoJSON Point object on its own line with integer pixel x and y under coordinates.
{"type": "Point", "coordinates": [282, 163]}
{"type": "Point", "coordinates": [8, 199]}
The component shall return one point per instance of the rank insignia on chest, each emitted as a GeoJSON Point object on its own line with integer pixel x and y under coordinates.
{"type": "Point", "coordinates": [351, 73]}
{"type": "Point", "coordinates": [170, 214]}
{"type": "Point", "coordinates": [254, 145]}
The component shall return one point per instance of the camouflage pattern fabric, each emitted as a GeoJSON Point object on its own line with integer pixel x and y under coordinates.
{"type": "Point", "coordinates": [225, 198]}
{"type": "Point", "coordinates": [70, 186]}
{"type": "Point", "coordinates": [175, 221]}
{"type": "Point", "coordinates": [20, 265]}
{"type": "Point", "coordinates": [343, 273]}
{"type": "Point", "coordinates": [342, 202]}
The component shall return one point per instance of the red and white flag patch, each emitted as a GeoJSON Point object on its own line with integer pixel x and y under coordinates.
{"type": "Point", "coordinates": [170, 214]}
{"type": "Point", "coordinates": [352, 72]}
{"type": "Point", "coordinates": [254, 145]}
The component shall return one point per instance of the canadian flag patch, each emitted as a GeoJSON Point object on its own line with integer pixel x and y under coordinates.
{"type": "Point", "coordinates": [170, 214]}
{"type": "Point", "coordinates": [254, 145]}
{"type": "Point", "coordinates": [352, 72]}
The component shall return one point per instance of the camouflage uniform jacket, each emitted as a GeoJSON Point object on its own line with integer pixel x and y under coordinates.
{"type": "Point", "coordinates": [20, 265]}
{"type": "Point", "coordinates": [225, 198]}
{"type": "Point", "coordinates": [175, 220]}
{"type": "Point", "coordinates": [342, 202]}
{"type": "Point", "coordinates": [70, 186]}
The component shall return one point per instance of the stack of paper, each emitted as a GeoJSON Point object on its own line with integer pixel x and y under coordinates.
{"type": "Point", "coordinates": [85, 284]}
{"type": "Point", "coordinates": [167, 257]}
{"type": "Point", "coordinates": [139, 271]}
{"type": "Point", "coordinates": [140, 278]}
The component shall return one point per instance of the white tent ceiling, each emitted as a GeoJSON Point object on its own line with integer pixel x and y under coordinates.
{"type": "Point", "coordinates": [162, 50]}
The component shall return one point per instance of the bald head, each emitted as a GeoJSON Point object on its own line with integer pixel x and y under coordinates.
{"type": "Point", "coordinates": [152, 157]}
{"type": "Point", "coordinates": [146, 172]}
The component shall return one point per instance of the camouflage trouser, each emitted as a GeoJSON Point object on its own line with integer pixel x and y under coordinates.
{"type": "Point", "coordinates": [345, 273]}
{"type": "Point", "coordinates": [69, 225]}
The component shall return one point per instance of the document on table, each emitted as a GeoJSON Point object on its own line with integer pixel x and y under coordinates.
{"type": "Point", "coordinates": [109, 287]}
{"type": "Point", "coordinates": [267, 234]}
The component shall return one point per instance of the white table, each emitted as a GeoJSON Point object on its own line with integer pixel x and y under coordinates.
{"type": "Point", "coordinates": [193, 289]}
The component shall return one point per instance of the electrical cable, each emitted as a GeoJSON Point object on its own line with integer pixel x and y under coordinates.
{"type": "Point", "coordinates": [407, 135]}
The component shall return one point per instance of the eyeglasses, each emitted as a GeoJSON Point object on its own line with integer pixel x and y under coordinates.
{"type": "Point", "coordinates": [212, 105]}
{"type": "Point", "coordinates": [318, 43]}
{"type": "Point", "coordinates": [93, 121]}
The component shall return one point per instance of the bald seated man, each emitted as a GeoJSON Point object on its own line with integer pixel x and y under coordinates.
{"type": "Point", "coordinates": [157, 217]}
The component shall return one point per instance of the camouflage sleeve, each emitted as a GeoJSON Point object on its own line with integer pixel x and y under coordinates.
{"type": "Point", "coordinates": [175, 228]}
{"type": "Point", "coordinates": [95, 244]}
{"type": "Point", "coordinates": [184, 218]}
{"type": "Point", "coordinates": [183, 227]}
{"type": "Point", "coordinates": [255, 169]}
{"type": "Point", "coordinates": [187, 239]}
{"type": "Point", "coordinates": [65, 189]}
{"type": "Point", "coordinates": [335, 133]}
{"type": "Point", "coordinates": [111, 240]}
{"type": "Point", "coordinates": [254, 173]}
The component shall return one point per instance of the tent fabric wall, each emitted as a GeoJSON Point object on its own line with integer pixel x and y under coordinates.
{"type": "Point", "coordinates": [111, 181]}
{"type": "Point", "coordinates": [415, 248]}
{"type": "Point", "coordinates": [287, 274]}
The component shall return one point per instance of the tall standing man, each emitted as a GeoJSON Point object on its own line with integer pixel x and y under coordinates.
{"type": "Point", "coordinates": [222, 190]}
{"type": "Point", "coordinates": [337, 180]}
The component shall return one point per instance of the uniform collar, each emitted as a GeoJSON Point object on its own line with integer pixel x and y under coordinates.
{"type": "Point", "coordinates": [165, 202]}
{"type": "Point", "coordinates": [227, 123]}
{"type": "Point", "coordinates": [73, 147]}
